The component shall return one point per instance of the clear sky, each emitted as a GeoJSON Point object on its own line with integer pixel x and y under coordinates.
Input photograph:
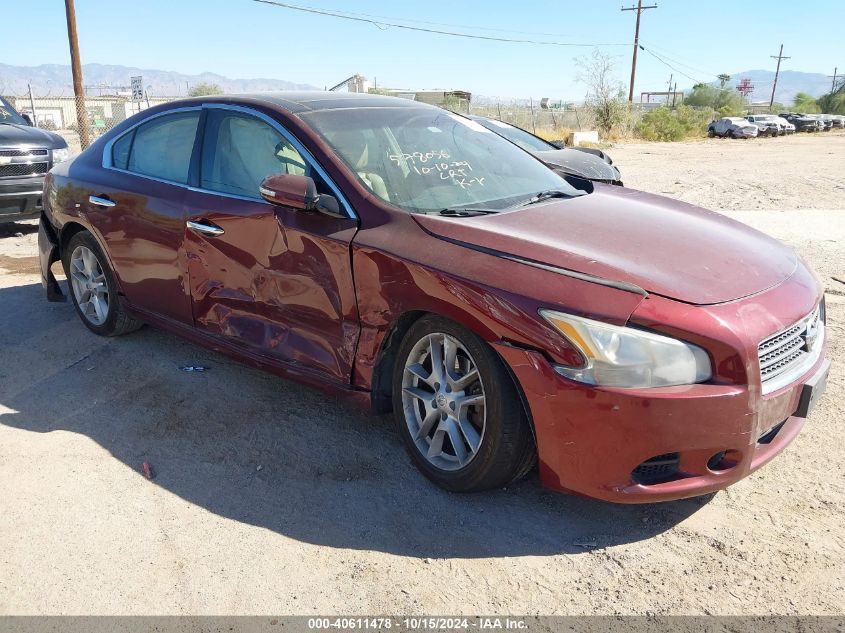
{"type": "Point", "coordinates": [245, 39]}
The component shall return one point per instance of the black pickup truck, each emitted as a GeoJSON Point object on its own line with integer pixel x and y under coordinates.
{"type": "Point", "coordinates": [26, 155]}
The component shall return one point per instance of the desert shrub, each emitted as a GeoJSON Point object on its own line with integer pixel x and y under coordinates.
{"type": "Point", "coordinates": [665, 124]}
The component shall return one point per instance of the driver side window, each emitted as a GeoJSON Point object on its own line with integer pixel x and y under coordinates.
{"type": "Point", "coordinates": [239, 151]}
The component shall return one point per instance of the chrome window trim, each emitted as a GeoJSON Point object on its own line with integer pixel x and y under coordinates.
{"type": "Point", "coordinates": [309, 158]}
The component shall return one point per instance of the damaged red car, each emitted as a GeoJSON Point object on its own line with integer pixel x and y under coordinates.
{"type": "Point", "coordinates": [406, 258]}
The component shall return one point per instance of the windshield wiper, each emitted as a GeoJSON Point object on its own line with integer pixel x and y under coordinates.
{"type": "Point", "coordinates": [466, 212]}
{"type": "Point", "coordinates": [545, 195]}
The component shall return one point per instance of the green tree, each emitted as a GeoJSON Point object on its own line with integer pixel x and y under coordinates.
{"type": "Point", "coordinates": [205, 89]}
{"type": "Point", "coordinates": [725, 101]}
{"type": "Point", "coordinates": [806, 103]}
{"type": "Point", "coordinates": [833, 102]}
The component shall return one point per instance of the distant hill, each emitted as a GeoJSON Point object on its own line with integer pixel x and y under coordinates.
{"type": "Point", "coordinates": [790, 83]}
{"type": "Point", "coordinates": [55, 79]}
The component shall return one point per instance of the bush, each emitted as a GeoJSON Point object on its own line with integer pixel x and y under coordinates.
{"type": "Point", "coordinates": [664, 124]}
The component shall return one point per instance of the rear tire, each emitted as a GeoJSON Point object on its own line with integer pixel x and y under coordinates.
{"type": "Point", "coordinates": [93, 288]}
{"type": "Point", "coordinates": [460, 447]}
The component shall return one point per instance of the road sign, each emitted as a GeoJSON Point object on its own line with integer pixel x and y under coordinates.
{"type": "Point", "coordinates": [137, 88]}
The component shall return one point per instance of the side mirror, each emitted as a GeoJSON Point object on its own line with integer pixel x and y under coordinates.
{"type": "Point", "coordinates": [298, 192]}
{"type": "Point", "coordinates": [559, 144]}
{"type": "Point", "coordinates": [26, 118]}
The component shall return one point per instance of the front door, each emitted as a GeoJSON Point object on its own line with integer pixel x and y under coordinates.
{"type": "Point", "coordinates": [271, 279]}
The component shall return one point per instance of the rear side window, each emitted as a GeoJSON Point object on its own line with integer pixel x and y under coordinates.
{"type": "Point", "coordinates": [161, 148]}
{"type": "Point", "coordinates": [120, 150]}
{"type": "Point", "coordinates": [239, 151]}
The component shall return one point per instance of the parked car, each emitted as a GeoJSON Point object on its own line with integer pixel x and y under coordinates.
{"type": "Point", "coordinates": [733, 127]}
{"type": "Point", "coordinates": [826, 121]}
{"type": "Point", "coordinates": [405, 258]}
{"type": "Point", "coordinates": [802, 122]}
{"type": "Point", "coordinates": [783, 126]}
{"type": "Point", "coordinates": [26, 154]}
{"type": "Point", "coordinates": [786, 126]}
{"type": "Point", "coordinates": [766, 124]}
{"type": "Point", "coordinates": [592, 164]}
{"type": "Point", "coordinates": [838, 120]}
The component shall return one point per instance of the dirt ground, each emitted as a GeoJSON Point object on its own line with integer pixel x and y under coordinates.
{"type": "Point", "coordinates": [270, 498]}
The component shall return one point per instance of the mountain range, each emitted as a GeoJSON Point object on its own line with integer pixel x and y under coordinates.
{"type": "Point", "coordinates": [790, 83]}
{"type": "Point", "coordinates": [55, 79]}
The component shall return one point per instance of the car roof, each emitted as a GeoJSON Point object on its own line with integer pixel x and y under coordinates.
{"type": "Point", "coordinates": [315, 100]}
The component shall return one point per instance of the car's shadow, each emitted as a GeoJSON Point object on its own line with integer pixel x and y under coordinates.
{"type": "Point", "coordinates": [254, 448]}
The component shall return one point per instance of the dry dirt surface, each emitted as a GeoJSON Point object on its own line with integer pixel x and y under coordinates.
{"type": "Point", "coordinates": [268, 497]}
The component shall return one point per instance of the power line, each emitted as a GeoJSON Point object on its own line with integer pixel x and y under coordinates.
{"type": "Point", "coordinates": [639, 9]}
{"type": "Point", "coordinates": [677, 70]}
{"type": "Point", "coordinates": [778, 57]}
{"type": "Point", "coordinates": [676, 60]}
{"type": "Point", "coordinates": [381, 24]}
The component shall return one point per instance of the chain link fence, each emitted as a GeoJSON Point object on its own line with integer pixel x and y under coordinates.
{"type": "Point", "coordinates": [98, 114]}
{"type": "Point", "coordinates": [79, 126]}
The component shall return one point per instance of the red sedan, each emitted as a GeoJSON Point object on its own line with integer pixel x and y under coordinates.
{"type": "Point", "coordinates": [406, 258]}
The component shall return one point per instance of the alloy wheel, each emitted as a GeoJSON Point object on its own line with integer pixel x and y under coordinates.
{"type": "Point", "coordinates": [89, 285]}
{"type": "Point", "coordinates": [444, 401]}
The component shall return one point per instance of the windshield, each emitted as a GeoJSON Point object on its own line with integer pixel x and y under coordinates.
{"type": "Point", "coordinates": [525, 140]}
{"type": "Point", "coordinates": [8, 114]}
{"type": "Point", "coordinates": [427, 159]}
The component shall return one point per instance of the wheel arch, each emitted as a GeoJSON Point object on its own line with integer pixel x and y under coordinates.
{"type": "Point", "coordinates": [382, 388]}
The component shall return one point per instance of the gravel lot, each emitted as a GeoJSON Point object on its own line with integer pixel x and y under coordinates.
{"type": "Point", "coordinates": [270, 498]}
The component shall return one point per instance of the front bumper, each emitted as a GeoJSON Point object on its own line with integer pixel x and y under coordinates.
{"type": "Point", "coordinates": [20, 198]}
{"type": "Point", "coordinates": [591, 440]}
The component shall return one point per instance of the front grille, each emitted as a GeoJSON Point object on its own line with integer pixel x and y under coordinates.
{"type": "Point", "coordinates": [657, 470]}
{"type": "Point", "coordinates": [789, 348]}
{"type": "Point", "coordinates": [23, 152]}
{"type": "Point", "coordinates": [23, 169]}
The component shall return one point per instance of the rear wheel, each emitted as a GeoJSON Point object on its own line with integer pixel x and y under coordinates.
{"type": "Point", "coordinates": [93, 287]}
{"type": "Point", "coordinates": [457, 409]}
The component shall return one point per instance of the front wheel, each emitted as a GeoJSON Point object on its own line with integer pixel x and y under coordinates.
{"type": "Point", "coordinates": [93, 287]}
{"type": "Point", "coordinates": [457, 409]}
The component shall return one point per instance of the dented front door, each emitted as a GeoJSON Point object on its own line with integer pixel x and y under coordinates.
{"type": "Point", "coordinates": [274, 280]}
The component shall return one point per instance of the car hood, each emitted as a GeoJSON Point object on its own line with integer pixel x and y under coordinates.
{"type": "Point", "coordinates": [12, 134]}
{"type": "Point", "coordinates": [665, 247]}
{"type": "Point", "coordinates": [578, 163]}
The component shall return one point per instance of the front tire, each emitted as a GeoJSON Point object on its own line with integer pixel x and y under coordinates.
{"type": "Point", "coordinates": [93, 288]}
{"type": "Point", "coordinates": [457, 409]}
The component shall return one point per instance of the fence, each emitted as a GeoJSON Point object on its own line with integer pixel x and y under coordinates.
{"type": "Point", "coordinates": [59, 113]}
{"type": "Point", "coordinates": [103, 112]}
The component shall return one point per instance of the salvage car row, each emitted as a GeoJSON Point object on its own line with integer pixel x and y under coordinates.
{"type": "Point", "coordinates": [755, 125]}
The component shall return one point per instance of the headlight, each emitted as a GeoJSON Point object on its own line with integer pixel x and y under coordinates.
{"type": "Point", "coordinates": [60, 154]}
{"type": "Point", "coordinates": [627, 357]}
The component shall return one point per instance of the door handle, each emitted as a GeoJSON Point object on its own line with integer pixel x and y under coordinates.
{"type": "Point", "coordinates": [205, 227]}
{"type": "Point", "coordinates": [101, 202]}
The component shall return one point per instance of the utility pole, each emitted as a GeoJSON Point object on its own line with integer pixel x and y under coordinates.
{"type": "Point", "coordinates": [639, 9]}
{"type": "Point", "coordinates": [834, 77]}
{"type": "Point", "coordinates": [671, 77]}
{"type": "Point", "coordinates": [674, 93]}
{"type": "Point", "coordinates": [778, 57]}
{"type": "Point", "coordinates": [76, 68]}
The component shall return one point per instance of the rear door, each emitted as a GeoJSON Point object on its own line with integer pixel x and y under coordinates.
{"type": "Point", "coordinates": [271, 279]}
{"type": "Point", "coordinates": [137, 206]}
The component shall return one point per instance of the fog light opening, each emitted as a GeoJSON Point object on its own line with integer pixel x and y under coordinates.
{"type": "Point", "coordinates": [657, 470]}
{"type": "Point", "coordinates": [723, 460]}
